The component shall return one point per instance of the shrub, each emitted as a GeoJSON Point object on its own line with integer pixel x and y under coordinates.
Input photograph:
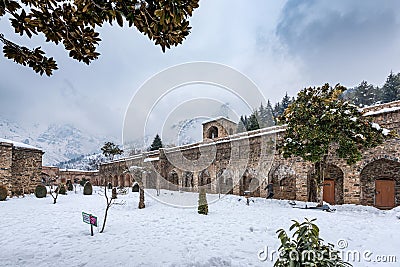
{"type": "Point", "coordinates": [114, 193]}
{"type": "Point", "coordinates": [88, 189]}
{"type": "Point", "coordinates": [83, 182]}
{"type": "Point", "coordinates": [306, 248]}
{"type": "Point", "coordinates": [40, 191]}
{"type": "Point", "coordinates": [203, 205]}
{"type": "Point", "coordinates": [135, 187]}
{"type": "Point", "coordinates": [62, 190]}
{"type": "Point", "coordinates": [70, 186]}
{"type": "Point", "coordinates": [3, 193]}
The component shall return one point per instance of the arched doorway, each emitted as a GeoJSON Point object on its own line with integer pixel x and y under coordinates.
{"type": "Point", "coordinates": [115, 181]}
{"type": "Point", "coordinates": [127, 180]}
{"type": "Point", "coordinates": [212, 132]}
{"type": "Point", "coordinates": [332, 185]}
{"type": "Point", "coordinates": [121, 181]}
{"type": "Point", "coordinates": [187, 180]}
{"type": "Point", "coordinates": [173, 180]}
{"type": "Point", "coordinates": [205, 179]}
{"type": "Point", "coordinates": [245, 182]}
{"type": "Point", "coordinates": [283, 179]}
{"type": "Point", "coordinates": [380, 184]}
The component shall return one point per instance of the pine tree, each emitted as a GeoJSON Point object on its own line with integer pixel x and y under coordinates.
{"type": "Point", "coordinates": [203, 205]}
{"type": "Point", "coordinates": [364, 95]}
{"type": "Point", "coordinates": [241, 125]}
{"type": "Point", "coordinates": [269, 116]}
{"type": "Point", "coordinates": [157, 144]}
{"type": "Point", "coordinates": [318, 119]}
{"type": "Point", "coordinates": [253, 122]}
{"type": "Point", "coordinates": [391, 89]}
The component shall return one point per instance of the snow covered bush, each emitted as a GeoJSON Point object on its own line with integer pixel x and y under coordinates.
{"type": "Point", "coordinates": [62, 190]}
{"type": "Point", "coordinates": [203, 205]}
{"type": "Point", "coordinates": [114, 193]}
{"type": "Point", "coordinates": [40, 191]}
{"type": "Point", "coordinates": [306, 248]}
{"type": "Point", "coordinates": [70, 187]}
{"type": "Point", "coordinates": [88, 189]}
{"type": "Point", "coordinates": [3, 193]}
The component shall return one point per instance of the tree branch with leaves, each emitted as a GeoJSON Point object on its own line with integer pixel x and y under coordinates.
{"type": "Point", "coordinates": [318, 122]}
{"type": "Point", "coordinates": [75, 25]}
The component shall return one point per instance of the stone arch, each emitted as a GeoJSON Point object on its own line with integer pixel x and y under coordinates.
{"type": "Point", "coordinates": [151, 180]}
{"type": "Point", "coordinates": [245, 181]}
{"type": "Point", "coordinates": [188, 182]}
{"type": "Point", "coordinates": [121, 181]}
{"type": "Point", "coordinates": [204, 179]}
{"type": "Point", "coordinates": [335, 174]}
{"type": "Point", "coordinates": [331, 173]}
{"type": "Point", "coordinates": [380, 169]}
{"type": "Point", "coordinates": [212, 132]}
{"type": "Point", "coordinates": [173, 179]}
{"type": "Point", "coordinates": [254, 186]}
{"type": "Point", "coordinates": [128, 180]}
{"type": "Point", "coordinates": [283, 179]}
{"type": "Point", "coordinates": [225, 181]}
{"type": "Point", "coordinates": [115, 181]}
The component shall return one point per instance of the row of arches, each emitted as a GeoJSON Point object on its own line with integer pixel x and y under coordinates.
{"type": "Point", "coordinates": [378, 183]}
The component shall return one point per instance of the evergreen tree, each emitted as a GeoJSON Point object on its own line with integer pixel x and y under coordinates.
{"type": "Point", "coordinates": [391, 89]}
{"type": "Point", "coordinates": [203, 205]}
{"type": "Point", "coordinates": [270, 119]}
{"type": "Point", "coordinates": [253, 122]}
{"type": "Point", "coordinates": [266, 117]}
{"type": "Point", "coordinates": [364, 95]}
{"type": "Point", "coordinates": [110, 150]}
{"type": "Point", "coordinates": [285, 103]}
{"type": "Point", "coordinates": [157, 144]}
{"type": "Point", "coordinates": [317, 120]}
{"type": "Point", "coordinates": [241, 125]}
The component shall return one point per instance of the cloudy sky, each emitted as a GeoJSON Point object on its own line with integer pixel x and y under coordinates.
{"type": "Point", "coordinates": [282, 46]}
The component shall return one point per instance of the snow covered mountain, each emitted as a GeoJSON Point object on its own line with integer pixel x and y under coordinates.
{"type": "Point", "coordinates": [60, 142]}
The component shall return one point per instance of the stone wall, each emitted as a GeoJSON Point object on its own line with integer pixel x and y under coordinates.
{"type": "Point", "coordinates": [249, 161]}
{"type": "Point", "coordinates": [20, 168]}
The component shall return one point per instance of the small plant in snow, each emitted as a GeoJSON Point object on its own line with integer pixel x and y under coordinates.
{"type": "Point", "coordinates": [306, 248]}
{"type": "Point", "coordinates": [203, 205]}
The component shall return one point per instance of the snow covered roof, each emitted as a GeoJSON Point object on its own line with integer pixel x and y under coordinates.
{"type": "Point", "coordinates": [218, 118]}
{"type": "Point", "coordinates": [151, 159]}
{"type": "Point", "coordinates": [76, 170]}
{"type": "Point", "coordinates": [18, 144]}
{"type": "Point", "coordinates": [384, 110]}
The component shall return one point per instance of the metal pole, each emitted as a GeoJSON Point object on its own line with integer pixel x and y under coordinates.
{"type": "Point", "coordinates": [91, 229]}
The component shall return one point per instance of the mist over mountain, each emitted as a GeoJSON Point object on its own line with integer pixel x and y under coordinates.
{"type": "Point", "coordinates": [60, 142]}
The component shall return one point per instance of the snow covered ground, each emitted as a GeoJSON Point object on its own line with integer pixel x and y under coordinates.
{"type": "Point", "coordinates": [34, 232]}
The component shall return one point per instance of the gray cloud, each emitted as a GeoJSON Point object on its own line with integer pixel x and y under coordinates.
{"type": "Point", "coordinates": [282, 46]}
{"type": "Point", "coordinates": [345, 40]}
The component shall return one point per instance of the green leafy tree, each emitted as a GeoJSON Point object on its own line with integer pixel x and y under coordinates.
{"type": "Point", "coordinates": [157, 143]}
{"type": "Point", "coordinates": [75, 24]}
{"type": "Point", "coordinates": [391, 88]}
{"type": "Point", "coordinates": [110, 150]}
{"type": "Point", "coordinates": [306, 248]}
{"type": "Point", "coordinates": [319, 122]}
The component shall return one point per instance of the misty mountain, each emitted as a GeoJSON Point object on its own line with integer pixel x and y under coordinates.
{"type": "Point", "coordinates": [60, 142]}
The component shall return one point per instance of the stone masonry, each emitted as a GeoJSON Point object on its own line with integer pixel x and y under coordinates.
{"type": "Point", "coordinates": [248, 161]}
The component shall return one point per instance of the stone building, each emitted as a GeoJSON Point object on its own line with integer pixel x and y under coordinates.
{"type": "Point", "coordinates": [57, 176]}
{"type": "Point", "coordinates": [236, 163]}
{"type": "Point", "coordinates": [20, 167]}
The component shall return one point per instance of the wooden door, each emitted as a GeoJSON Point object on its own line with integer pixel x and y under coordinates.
{"type": "Point", "coordinates": [329, 191]}
{"type": "Point", "coordinates": [384, 194]}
